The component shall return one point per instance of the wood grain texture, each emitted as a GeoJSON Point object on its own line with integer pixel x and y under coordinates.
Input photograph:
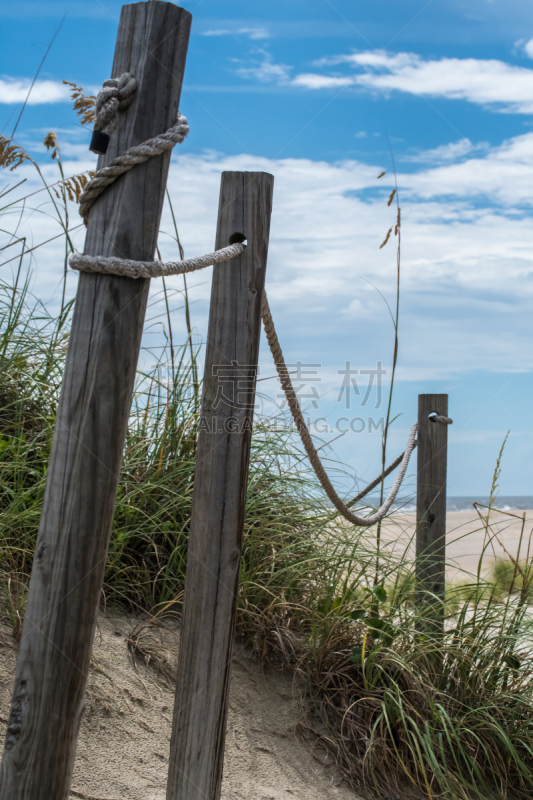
{"type": "Point", "coordinates": [431, 504]}
{"type": "Point", "coordinates": [95, 402]}
{"type": "Point", "coordinates": [199, 725]}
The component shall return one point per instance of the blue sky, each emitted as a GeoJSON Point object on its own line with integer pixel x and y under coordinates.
{"type": "Point", "coordinates": [310, 91]}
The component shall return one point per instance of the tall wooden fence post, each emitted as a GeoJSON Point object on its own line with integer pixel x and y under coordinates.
{"type": "Point", "coordinates": [199, 726]}
{"type": "Point", "coordinates": [431, 507]}
{"type": "Point", "coordinates": [72, 542]}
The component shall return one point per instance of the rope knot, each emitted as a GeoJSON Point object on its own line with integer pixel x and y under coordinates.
{"type": "Point", "coordinates": [115, 95]}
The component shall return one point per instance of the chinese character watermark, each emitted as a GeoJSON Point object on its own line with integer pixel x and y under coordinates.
{"type": "Point", "coordinates": [303, 371]}
{"type": "Point", "coordinates": [349, 382]}
{"type": "Point", "coordinates": [235, 385]}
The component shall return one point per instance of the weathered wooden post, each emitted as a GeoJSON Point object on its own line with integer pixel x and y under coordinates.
{"type": "Point", "coordinates": [68, 569]}
{"type": "Point", "coordinates": [199, 727]}
{"type": "Point", "coordinates": [431, 506]}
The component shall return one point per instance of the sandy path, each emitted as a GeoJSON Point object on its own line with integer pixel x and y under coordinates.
{"type": "Point", "coordinates": [125, 730]}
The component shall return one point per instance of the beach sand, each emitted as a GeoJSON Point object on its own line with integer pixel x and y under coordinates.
{"type": "Point", "coordinates": [465, 537]}
{"type": "Point", "coordinates": [124, 739]}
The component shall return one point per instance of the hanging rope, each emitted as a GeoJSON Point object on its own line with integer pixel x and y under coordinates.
{"type": "Point", "coordinates": [377, 481]}
{"type": "Point", "coordinates": [152, 269]}
{"type": "Point", "coordinates": [307, 441]}
{"type": "Point", "coordinates": [117, 94]}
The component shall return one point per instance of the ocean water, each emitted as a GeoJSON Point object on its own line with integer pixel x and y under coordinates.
{"type": "Point", "coordinates": [504, 502]}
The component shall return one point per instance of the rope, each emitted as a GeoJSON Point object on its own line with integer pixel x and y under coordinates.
{"type": "Point", "coordinates": [115, 95]}
{"type": "Point", "coordinates": [307, 441]}
{"type": "Point", "coordinates": [110, 100]}
{"type": "Point", "coordinates": [392, 467]}
{"type": "Point", "coordinates": [152, 269]}
{"type": "Point", "coordinates": [377, 481]}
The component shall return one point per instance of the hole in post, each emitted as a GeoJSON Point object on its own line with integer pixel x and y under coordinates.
{"type": "Point", "coordinates": [237, 238]}
{"type": "Point", "coordinates": [432, 415]}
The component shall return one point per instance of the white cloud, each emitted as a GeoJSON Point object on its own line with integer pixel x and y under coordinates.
{"type": "Point", "coordinates": [360, 135]}
{"type": "Point", "coordinates": [528, 47]}
{"type": "Point", "coordinates": [13, 90]}
{"type": "Point", "coordinates": [446, 152]}
{"type": "Point", "coordinates": [485, 82]}
{"type": "Point", "coordinates": [252, 33]}
{"type": "Point", "coordinates": [467, 260]}
{"type": "Point", "coordinates": [255, 33]}
{"type": "Point", "coordinates": [219, 32]}
{"type": "Point", "coordinates": [311, 81]}
{"type": "Point", "coordinates": [264, 69]}
{"type": "Point", "coordinates": [501, 176]}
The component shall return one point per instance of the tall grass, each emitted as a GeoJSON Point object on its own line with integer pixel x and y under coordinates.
{"type": "Point", "coordinates": [147, 556]}
{"type": "Point", "coordinates": [405, 711]}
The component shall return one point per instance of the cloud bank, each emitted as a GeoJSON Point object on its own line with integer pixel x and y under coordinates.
{"type": "Point", "coordinates": [487, 82]}
{"type": "Point", "coordinates": [466, 286]}
{"type": "Point", "coordinates": [467, 263]}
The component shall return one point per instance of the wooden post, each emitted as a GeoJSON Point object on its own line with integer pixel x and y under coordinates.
{"type": "Point", "coordinates": [431, 507]}
{"type": "Point", "coordinates": [199, 726]}
{"type": "Point", "coordinates": [71, 549]}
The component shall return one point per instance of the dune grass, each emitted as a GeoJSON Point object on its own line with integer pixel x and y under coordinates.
{"type": "Point", "coordinates": [406, 709]}
{"type": "Point", "coordinates": [147, 555]}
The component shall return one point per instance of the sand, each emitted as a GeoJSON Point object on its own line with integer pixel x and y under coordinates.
{"type": "Point", "coordinates": [465, 536]}
{"type": "Point", "coordinates": [125, 731]}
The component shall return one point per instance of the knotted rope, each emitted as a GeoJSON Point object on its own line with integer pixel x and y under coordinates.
{"type": "Point", "coordinates": [109, 101]}
{"type": "Point", "coordinates": [115, 95]}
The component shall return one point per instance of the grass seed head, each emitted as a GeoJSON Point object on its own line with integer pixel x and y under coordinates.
{"type": "Point", "coordinates": [12, 155]}
{"type": "Point", "coordinates": [84, 105]}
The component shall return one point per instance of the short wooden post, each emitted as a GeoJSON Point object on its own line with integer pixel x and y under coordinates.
{"type": "Point", "coordinates": [71, 550]}
{"type": "Point", "coordinates": [199, 726]}
{"type": "Point", "coordinates": [431, 507]}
